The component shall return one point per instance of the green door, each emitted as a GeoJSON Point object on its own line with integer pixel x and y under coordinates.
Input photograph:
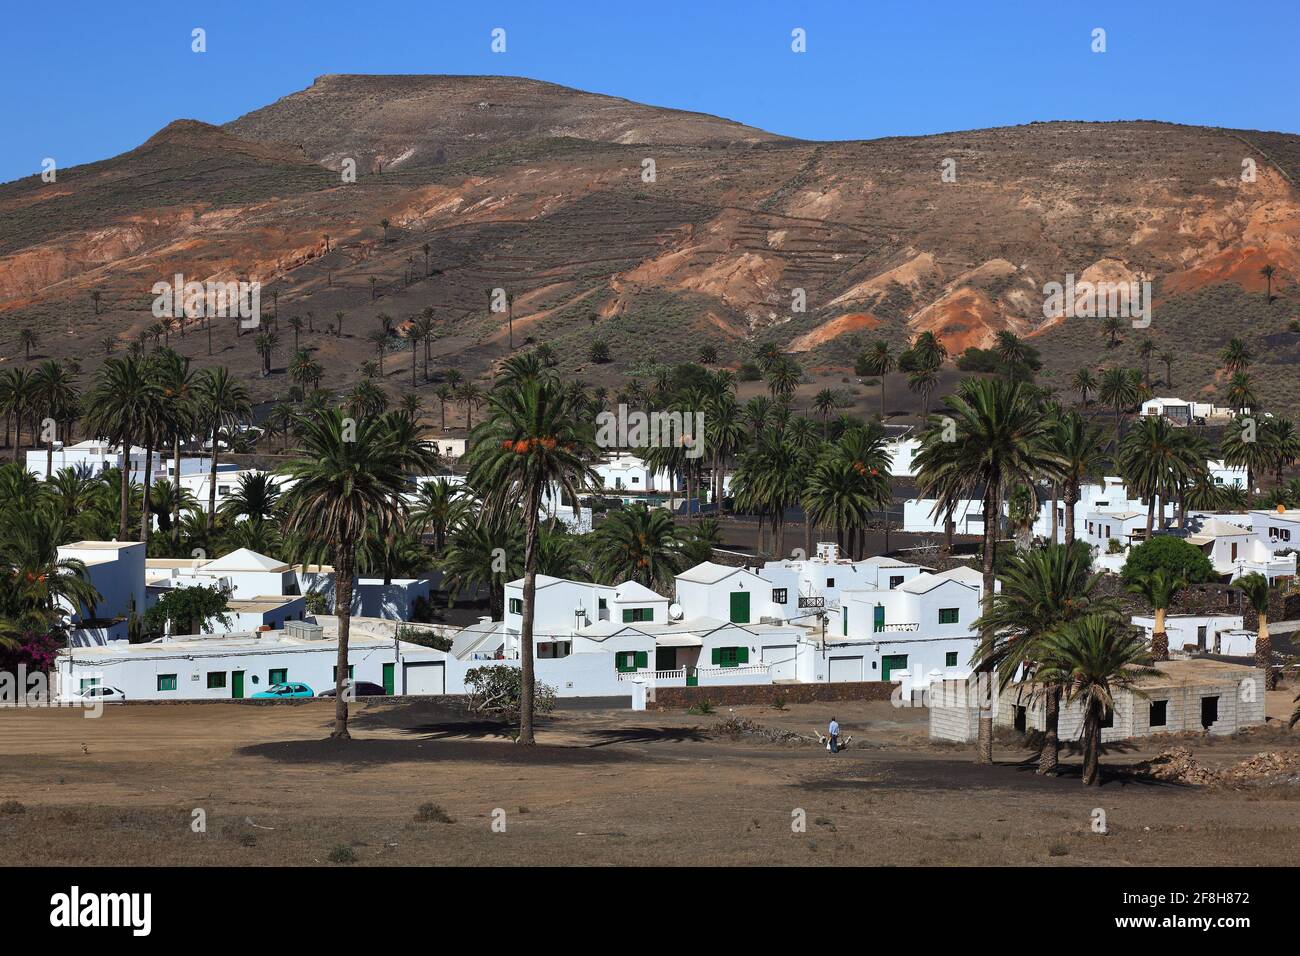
{"type": "Point", "coordinates": [388, 679]}
{"type": "Point", "coordinates": [892, 662]}
{"type": "Point", "coordinates": [739, 607]}
{"type": "Point", "coordinates": [237, 685]}
{"type": "Point", "coordinates": [878, 621]}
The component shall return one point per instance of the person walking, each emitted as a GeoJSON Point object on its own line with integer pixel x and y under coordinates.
{"type": "Point", "coordinates": [834, 731]}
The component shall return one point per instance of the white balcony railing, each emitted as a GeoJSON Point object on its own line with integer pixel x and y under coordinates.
{"type": "Point", "coordinates": [896, 628]}
{"type": "Point", "coordinates": [738, 670]}
{"type": "Point", "coordinates": [654, 676]}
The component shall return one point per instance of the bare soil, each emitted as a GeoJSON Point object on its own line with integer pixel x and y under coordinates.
{"type": "Point", "coordinates": [603, 786]}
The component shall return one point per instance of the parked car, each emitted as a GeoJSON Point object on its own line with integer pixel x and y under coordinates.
{"type": "Point", "coordinates": [99, 693]}
{"type": "Point", "coordinates": [362, 688]}
{"type": "Point", "coordinates": [284, 692]}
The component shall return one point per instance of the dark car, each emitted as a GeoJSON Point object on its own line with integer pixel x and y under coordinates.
{"type": "Point", "coordinates": [361, 688]}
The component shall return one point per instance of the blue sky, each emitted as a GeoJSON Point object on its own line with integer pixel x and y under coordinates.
{"type": "Point", "coordinates": [87, 80]}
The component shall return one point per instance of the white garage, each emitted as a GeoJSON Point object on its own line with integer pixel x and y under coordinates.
{"type": "Point", "coordinates": [780, 661]}
{"type": "Point", "coordinates": [844, 669]}
{"type": "Point", "coordinates": [425, 677]}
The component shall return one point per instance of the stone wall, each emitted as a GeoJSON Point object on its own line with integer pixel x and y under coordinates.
{"type": "Point", "coordinates": [672, 698]}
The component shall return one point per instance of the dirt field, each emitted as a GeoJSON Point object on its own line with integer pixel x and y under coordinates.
{"type": "Point", "coordinates": [603, 787]}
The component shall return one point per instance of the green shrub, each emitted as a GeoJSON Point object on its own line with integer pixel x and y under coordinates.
{"type": "Point", "coordinates": [1173, 554]}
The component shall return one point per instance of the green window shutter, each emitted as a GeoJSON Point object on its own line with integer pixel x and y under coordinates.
{"type": "Point", "coordinates": [950, 659]}
{"type": "Point", "coordinates": [642, 659]}
{"type": "Point", "coordinates": [948, 615]}
{"type": "Point", "coordinates": [627, 616]}
{"type": "Point", "coordinates": [739, 607]}
{"type": "Point", "coordinates": [717, 651]}
{"type": "Point", "coordinates": [742, 655]}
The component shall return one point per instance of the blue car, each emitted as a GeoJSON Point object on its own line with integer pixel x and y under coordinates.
{"type": "Point", "coordinates": [284, 692]}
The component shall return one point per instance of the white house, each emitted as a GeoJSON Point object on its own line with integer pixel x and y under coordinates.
{"type": "Point", "coordinates": [450, 447]}
{"type": "Point", "coordinates": [622, 472]}
{"type": "Point", "coordinates": [1103, 527]}
{"type": "Point", "coordinates": [235, 666]}
{"type": "Point", "coordinates": [806, 586]}
{"type": "Point", "coordinates": [1199, 632]}
{"type": "Point", "coordinates": [1279, 530]}
{"type": "Point", "coordinates": [726, 593]}
{"type": "Point", "coordinates": [116, 569]}
{"type": "Point", "coordinates": [1228, 476]}
{"type": "Point", "coordinates": [901, 452]}
{"type": "Point", "coordinates": [565, 607]}
{"type": "Point", "coordinates": [921, 628]}
{"type": "Point", "coordinates": [920, 516]}
{"type": "Point", "coordinates": [92, 457]}
{"type": "Point", "coordinates": [1108, 497]}
{"type": "Point", "coordinates": [1182, 412]}
{"type": "Point", "coordinates": [1236, 551]}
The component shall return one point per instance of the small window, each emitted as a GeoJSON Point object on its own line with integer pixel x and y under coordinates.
{"type": "Point", "coordinates": [632, 615]}
{"type": "Point", "coordinates": [516, 606]}
{"type": "Point", "coordinates": [166, 681]}
{"type": "Point", "coordinates": [636, 480]}
{"type": "Point", "coordinates": [949, 615]}
{"type": "Point", "coordinates": [601, 605]}
{"type": "Point", "coordinates": [1209, 712]}
{"type": "Point", "coordinates": [1108, 719]}
{"type": "Point", "coordinates": [830, 582]}
{"type": "Point", "coordinates": [1159, 713]}
{"type": "Point", "coordinates": [89, 682]}
{"type": "Point", "coordinates": [278, 675]}
{"type": "Point", "coordinates": [895, 580]}
{"type": "Point", "coordinates": [779, 595]}
{"type": "Point", "coordinates": [628, 661]}
{"type": "Point", "coordinates": [334, 673]}
{"type": "Point", "coordinates": [950, 659]}
{"type": "Point", "coordinates": [216, 679]}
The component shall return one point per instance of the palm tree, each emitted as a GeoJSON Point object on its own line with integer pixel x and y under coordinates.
{"type": "Point", "coordinates": [1236, 356]}
{"type": "Point", "coordinates": [637, 544]}
{"type": "Point", "coordinates": [122, 400]}
{"type": "Point", "coordinates": [783, 378]}
{"type": "Point", "coordinates": [54, 397]}
{"type": "Point", "coordinates": [725, 433]}
{"type": "Point", "coordinates": [879, 361]}
{"type": "Point", "coordinates": [1092, 658]}
{"type": "Point", "coordinates": [36, 585]}
{"type": "Point", "coordinates": [1002, 440]}
{"type": "Point", "coordinates": [1245, 445]}
{"type": "Point", "coordinates": [254, 498]}
{"type": "Point", "coordinates": [1167, 359]}
{"type": "Point", "coordinates": [1241, 393]}
{"type": "Point", "coordinates": [769, 480]}
{"type": "Point", "coordinates": [1159, 586]}
{"type": "Point", "coordinates": [1267, 271]}
{"type": "Point", "coordinates": [1079, 446]}
{"type": "Point", "coordinates": [1042, 590]}
{"type": "Point", "coordinates": [532, 439]}
{"type": "Point", "coordinates": [1110, 328]}
{"type": "Point", "coordinates": [1085, 383]}
{"type": "Point", "coordinates": [471, 395]}
{"type": "Point", "coordinates": [220, 402]}
{"type": "Point", "coordinates": [929, 351]}
{"type": "Point", "coordinates": [1119, 391]}
{"type": "Point", "coordinates": [1256, 589]}
{"type": "Point", "coordinates": [437, 509]}
{"type": "Point", "coordinates": [1146, 348]}
{"type": "Point", "coordinates": [347, 475]}
{"type": "Point", "coordinates": [923, 381]}
{"type": "Point", "coordinates": [28, 339]}
{"type": "Point", "coordinates": [1154, 464]}
{"type": "Point", "coordinates": [822, 404]}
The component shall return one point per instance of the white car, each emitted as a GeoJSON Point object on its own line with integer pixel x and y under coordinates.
{"type": "Point", "coordinates": [100, 693]}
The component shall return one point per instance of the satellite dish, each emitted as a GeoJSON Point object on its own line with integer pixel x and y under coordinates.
{"type": "Point", "coordinates": [674, 612]}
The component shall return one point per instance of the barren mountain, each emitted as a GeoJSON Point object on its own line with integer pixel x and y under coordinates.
{"type": "Point", "coordinates": [546, 192]}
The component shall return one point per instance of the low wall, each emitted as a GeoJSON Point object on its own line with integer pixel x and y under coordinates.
{"type": "Point", "coordinates": [670, 698]}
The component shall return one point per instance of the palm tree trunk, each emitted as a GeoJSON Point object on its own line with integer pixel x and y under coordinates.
{"type": "Point", "coordinates": [1264, 653]}
{"type": "Point", "coordinates": [1091, 744]}
{"type": "Point", "coordinates": [1151, 514]}
{"type": "Point", "coordinates": [343, 561]}
{"type": "Point", "coordinates": [1056, 495]}
{"type": "Point", "coordinates": [530, 600]}
{"type": "Point", "coordinates": [176, 490]}
{"type": "Point", "coordinates": [1049, 753]}
{"type": "Point", "coordinates": [212, 501]}
{"type": "Point", "coordinates": [125, 503]}
{"type": "Point", "coordinates": [1159, 639]}
{"type": "Point", "coordinates": [146, 515]}
{"type": "Point", "coordinates": [1071, 499]}
{"type": "Point", "coordinates": [984, 752]}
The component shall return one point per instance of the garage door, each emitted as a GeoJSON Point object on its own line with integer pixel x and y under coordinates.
{"type": "Point", "coordinates": [845, 669]}
{"type": "Point", "coordinates": [425, 678]}
{"type": "Point", "coordinates": [780, 661]}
